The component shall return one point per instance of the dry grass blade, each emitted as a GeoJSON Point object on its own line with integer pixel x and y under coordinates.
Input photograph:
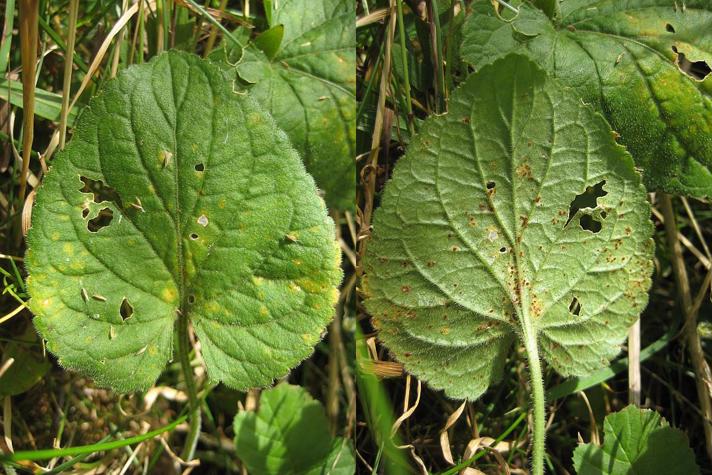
{"type": "Point", "coordinates": [444, 438]}
{"type": "Point", "coordinates": [634, 380]}
{"type": "Point", "coordinates": [68, 62]}
{"type": "Point", "coordinates": [373, 17]}
{"type": "Point", "coordinates": [29, 14]}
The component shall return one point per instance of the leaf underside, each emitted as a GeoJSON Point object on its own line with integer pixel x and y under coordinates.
{"type": "Point", "coordinates": [481, 231]}
{"type": "Point", "coordinates": [637, 441]}
{"type": "Point", "coordinates": [289, 434]}
{"type": "Point", "coordinates": [178, 195]}
{"type": "Point", "coordinates": [309, 87]}
{"type": "Point", "coordinates": [643, 63]}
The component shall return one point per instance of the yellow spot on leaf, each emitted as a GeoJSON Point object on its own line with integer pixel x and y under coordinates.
{"type": "Point", "coordinates": [169, 295]}
{"type": "Point", "coordinates": [68, 249]}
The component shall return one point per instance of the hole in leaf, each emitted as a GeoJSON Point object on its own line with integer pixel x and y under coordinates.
{"type": "Point", "coordinates": [203, 220]}
{"type": "Point", "coordinates": [85, 212]}
{"type": "Point", "coordinates": [587, 199]}
{"type": "Point", "coordinates": [669, 28]}
{"type": "Point", "coordinates": [575, 307]}
{"type": "Point", "coordinates": [502, 250]}
{"type": "Point", "coordinates": [102, 220]}
{"type": "Point", "coordinates": [698, 70]}
{"type": "Point", "coordinates": [588, 223]}
{"type": "Point", "coordinates": [199, 167]}
{"type": "Point", "coordinates": [100, 191]}
{"type": "Point", "coordinates": [490, 185]}
{"type": "Point", "coordinates": [193, 236]}
{"type": "Point", "coordinates": [126, 309]}
{"type": "Point", "coordinates": [191, 299]}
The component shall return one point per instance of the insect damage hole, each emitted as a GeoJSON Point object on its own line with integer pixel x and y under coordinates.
{"type": "Point", "coordinates": [575, 307]}
{"type": "Point", "coordinates": [588, 200]}
{"type": "Point", "coordinates": [193, 236]}
{"type": "Point", "coordinates": [100, 190]}
{"type": "Point", "coordinates": [490, 185]}
{"type": "Point", "coordinates": [669, 28]}
{"type": "Point", "coordinates": [697, 70]}
{"type": "Point", "coordinates": [126, 309]}
{"type": "Point", "coordinates": [199, 167]}
{"type": "Point", "coordinates": [102, 220]}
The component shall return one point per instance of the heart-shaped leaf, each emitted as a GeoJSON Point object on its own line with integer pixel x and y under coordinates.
{"type": "Point", "coordinates": [177, 196]}
{"type": "Point", "coordinates": [289, 434]}
{"type": "Point", "coordinates": [309, 87]}
{"type": "Point", "coordinates": [514, 217]}
{"type": "Point", "coordinates": [637, 441]}
{"type": "Point", "coordinates": [644, 64]}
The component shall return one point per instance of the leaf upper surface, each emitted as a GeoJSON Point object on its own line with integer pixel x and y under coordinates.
{"type": "Point", "coordinates": [289, 434]}
{"type": "Point", "coordinates": [637, 441]}
{"type": "Point", "coordinates": [177, 195]}
{"type": "Point", "coordinates": [481, 231]}
{"type": "Point", "coordinates": [309, 87]}
{"type": "Point", "coordinates": [631, 60]}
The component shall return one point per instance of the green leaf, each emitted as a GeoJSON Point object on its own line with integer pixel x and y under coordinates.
{"type": "Point", "coordinates": [177, 195]}
{"type": "Point", "coordinates": [269, 41]}
{"type": "Point", "coordinates": [289, 434]}
{"type": "Point", "coordinates": [637, 441]}
{"type": "Point", "coordinates": [309, 88]}
{"type": "Point", "coordinates": [635, 62]}
{"type": "Point", "coordinates": [481, 236]}
{"type": "Point", "coordinates": [29, 367]}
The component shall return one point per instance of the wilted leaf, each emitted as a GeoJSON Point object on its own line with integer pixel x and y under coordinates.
{"type": "Point", "coordinates": [481, 235]}
{"type": "Point", "coordinates": [637, 441]}
{"type": "Point", "coordinates": [640, 63]}
{"type": "Point", "coordinates": [309, 87]}
{"type": "Point", "coordinates": [178, 195]}
{"type": "Point", "coordinates": [289, 434]}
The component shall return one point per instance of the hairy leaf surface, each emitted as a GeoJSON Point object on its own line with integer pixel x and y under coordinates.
{"type": "Point", "coordinates": [289, 434]}
{"type": "Point", "coordinates": [639, 62]}
{"type": "Point", "coordinates": [637, 441]}
{"type": "Point", "coordinates": [481, 235]}
{"type": "Point", "coordinates": [178, 195]}
{"type": "Point", "coordinates": [309, 87]}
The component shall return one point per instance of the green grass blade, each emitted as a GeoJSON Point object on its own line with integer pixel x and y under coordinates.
{"type": "Point", "coordinates": [87, 449]}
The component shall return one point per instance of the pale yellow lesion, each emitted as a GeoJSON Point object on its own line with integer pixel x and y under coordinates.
{"type": "Point", "coordinates": [169, 295]}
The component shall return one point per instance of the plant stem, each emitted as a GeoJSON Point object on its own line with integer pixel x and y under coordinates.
{"type": "Point", "coordinates": [537, 382]}
{"type": "Point", "coordinates": [194, 415]}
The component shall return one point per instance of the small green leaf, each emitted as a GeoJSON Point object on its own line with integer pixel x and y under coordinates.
{"type": "Point", "coordinates": [29, 366]}
{"type": "Point", "coordinates": [514, 213]}
{"type": "Point", "coordinates": [637, 441]}
{"type": "Point", "coordinates": [269, 41]}
{"type": "Point", "coordinates": [289, 434]}
{"type": "Point", "coordinates": [177, 195]}
{"type": "Point", "coordinates": [309, 88]}
{"type": "Point", "coordinates": [644, 64]}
